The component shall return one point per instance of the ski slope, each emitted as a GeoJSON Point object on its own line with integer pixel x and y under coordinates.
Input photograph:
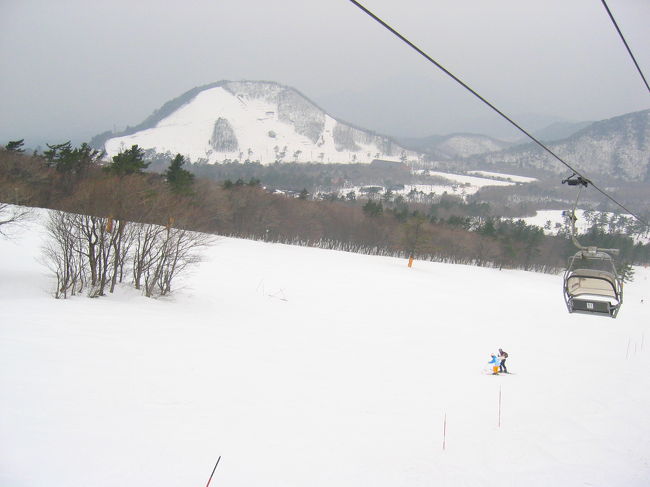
{"type": "Point", "coordinates": [503, 176]}
{"type": "Point", "coordinates": [306, 367]}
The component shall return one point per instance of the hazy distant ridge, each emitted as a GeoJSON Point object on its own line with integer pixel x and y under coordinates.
{"type": "Point", "coordinates": [617, 147]}
{"type": "Point", "coordinates": [455, 146]}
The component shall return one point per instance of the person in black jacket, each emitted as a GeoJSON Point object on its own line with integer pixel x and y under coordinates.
{"type": "Point", "coordinates": [503, 356]}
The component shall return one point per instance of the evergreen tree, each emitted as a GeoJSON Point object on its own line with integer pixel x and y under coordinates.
{"type": "Point", "coordinates": [373, 209]}
{"type": "Point", "coordinates": [488, 229]}
{"type": "Point", "coordinates": [71, 163]}
{"type": "Point", "coordinates": [130, 161]}
{"type": "Point", "coordinates": [179, 179]}
{"type": "Point", "coordinates": [15, 145]}
{"type": "Point", "coordinates": [58, 156]}
{"type": "Point", "coordinates": [626, 272]}
{"type": "Point", "coordinates": [68, 160]}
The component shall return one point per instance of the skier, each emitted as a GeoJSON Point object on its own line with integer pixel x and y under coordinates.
{"type": "Point", "coordinates": [494, 362]}
{"type": "Point", "coordinates": [502, 357]}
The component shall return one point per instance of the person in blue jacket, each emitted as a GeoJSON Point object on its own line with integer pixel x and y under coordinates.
{"type": "Point", "coordinates": [494, 363]}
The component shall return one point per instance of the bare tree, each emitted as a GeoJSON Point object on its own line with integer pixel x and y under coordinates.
{"type": "Point", "coordinates": [62, 255]}
{"type": "Point", "coordinates": [121, 248]}
{"type": "Point", "coordinates": [10, 216]}
{"type": "Point", "coordinates": [84, 249]}
{"type": "Point", "coordinates": [175, 250]}
{"type": "Point", "coordinates": [414, 235]}
{"type": "Point", "coordinates": [96, 245]}
{"type": "Point", "coordinates": [146, 239]}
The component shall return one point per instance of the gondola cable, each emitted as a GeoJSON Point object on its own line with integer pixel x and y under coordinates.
{"type": "Point", "coordinates": [609, 12]}
{"type": "Point", "coordinates": [503, 115]}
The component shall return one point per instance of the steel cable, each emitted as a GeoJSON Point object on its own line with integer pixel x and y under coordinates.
{"type": "Point", "coordinates": [503, 115]}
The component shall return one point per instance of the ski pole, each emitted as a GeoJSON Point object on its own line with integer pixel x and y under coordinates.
{"type": "Point", "coordinates": [215, 467]}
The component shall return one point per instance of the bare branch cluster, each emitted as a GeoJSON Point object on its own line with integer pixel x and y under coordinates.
{"type": "Point", "coordinates": [92, 254]}
{"type": "Point", "coordinates": [12, 216]}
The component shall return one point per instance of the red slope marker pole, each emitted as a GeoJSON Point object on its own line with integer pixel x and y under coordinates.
{"type": "Point", "coordinates": [215, 467]}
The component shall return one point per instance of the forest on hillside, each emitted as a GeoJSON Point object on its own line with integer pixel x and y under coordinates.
{"type": "Point", "coordinates": [121, 194]}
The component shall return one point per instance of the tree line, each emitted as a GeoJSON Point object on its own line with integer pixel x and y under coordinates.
{"type": "Point", "coordinates": [112, 223]}
{"type": "Point", "coordinates": [144, 210]}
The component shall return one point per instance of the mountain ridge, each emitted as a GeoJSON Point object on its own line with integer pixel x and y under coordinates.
{"type": "Point", "coordinates": [454, 145]}
{"type": "Point", "coordinates": [254, 120]}
{"type": "Point", "coordinates": [618, 147]}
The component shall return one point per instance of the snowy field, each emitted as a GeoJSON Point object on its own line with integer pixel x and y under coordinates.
{"type": "Point", "coordinates": [305, 367]}
{"type": "Point", "coordinates": [503, 176]}
{"type": "Point", "coordinates": [542, 217]}
{"type": "Point", "coordinates": [459, 185]}
{"type": "Point", "coordinates": [471, 181]}
{"type": "Point", "coordinates": [426, 189]}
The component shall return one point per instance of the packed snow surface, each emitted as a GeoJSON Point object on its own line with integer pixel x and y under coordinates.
{"type": "Point", "coordinates": [470, 181]}
{"type": "Point", "coordinates": [459, 184]}
{"type": "Point", "coordinates": [306, 367]}
{"type": "Point", "coordinates": [543, 217]}
{"type": "Point", "coordinates": [503, 176]}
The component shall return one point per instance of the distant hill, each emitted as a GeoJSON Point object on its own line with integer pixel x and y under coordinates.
{"type": "Point", "coordinates": [253, 121]}
{"type": "Point", "coordinates": [559, 131]}
{"type": "Point", "coordinates": [454, 146]}
{"type": "Point", "coordinates": [618, 147]}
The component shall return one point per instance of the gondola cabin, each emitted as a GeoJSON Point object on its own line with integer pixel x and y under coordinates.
{"type": "Point", "coordinates": [592, 284]}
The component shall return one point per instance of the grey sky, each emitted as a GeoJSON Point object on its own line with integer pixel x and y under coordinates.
{"type": "Point", "coordinates": [72, 69]}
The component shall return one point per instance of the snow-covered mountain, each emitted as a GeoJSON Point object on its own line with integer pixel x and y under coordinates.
{"type": "Point", "coordinates": [557, 131]}
{"type": "Point", "coordinates": [618, 147]}
{"type": "Point", "coordinates": [455, 146]}
{"type": "Point", "coordinates": [256, 121]}
{"type": "Point", "coordinates": [464, 145]}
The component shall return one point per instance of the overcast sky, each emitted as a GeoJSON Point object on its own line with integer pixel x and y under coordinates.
{"type": "Point", "coordinates": [72, 69]}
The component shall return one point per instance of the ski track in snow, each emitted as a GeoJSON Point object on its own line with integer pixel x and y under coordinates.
{"type": "Point", "coordinates": [307, 367]}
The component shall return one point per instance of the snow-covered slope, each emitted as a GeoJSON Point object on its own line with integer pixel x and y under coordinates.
{"type": "Point", "coordinates": [256, 121]}
{"type": "Point", "coordinates": [465, 145]}
{"type": "Point", "coordinates": [306, 367]}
